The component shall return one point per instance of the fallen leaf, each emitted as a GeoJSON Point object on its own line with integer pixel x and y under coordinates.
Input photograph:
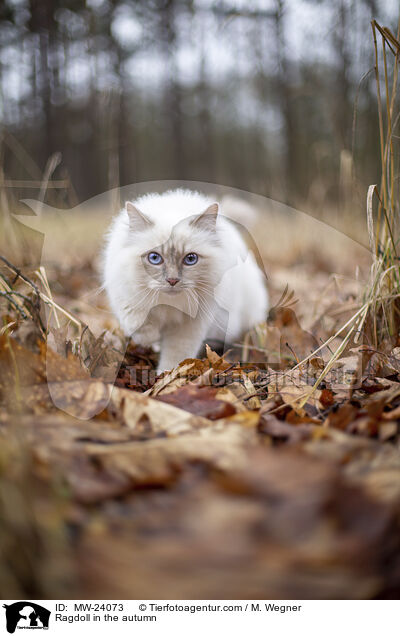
{"type": "Point", "coordinates": [131, 407]}
{"type": "Point", "coordinates": [283, 432]}
{"type": "Point", "coordinates": [199, 401]}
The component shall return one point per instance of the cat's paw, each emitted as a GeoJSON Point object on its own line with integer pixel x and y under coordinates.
{"type": "Point", "coordinates": [165, 368]}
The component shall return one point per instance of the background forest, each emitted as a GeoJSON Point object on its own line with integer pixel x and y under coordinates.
{"type": "Point", "coordinates": [257, 95]}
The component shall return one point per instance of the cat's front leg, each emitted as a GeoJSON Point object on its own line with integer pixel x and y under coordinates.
{"type": "Point", "coordinates": [180, 342]}
{"type": "Point", "coordinates": [147, 335]}
{"type": "Point", "coordinates": [140, 328]}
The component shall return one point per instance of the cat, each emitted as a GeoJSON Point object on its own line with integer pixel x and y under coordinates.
{"type": "Point", "coordinates": [177, 272]}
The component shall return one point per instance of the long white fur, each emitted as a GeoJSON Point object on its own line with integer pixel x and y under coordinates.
{"type": "Point", "coordinates": [226, 286]}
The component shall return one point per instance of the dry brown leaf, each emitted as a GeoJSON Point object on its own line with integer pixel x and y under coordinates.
{"type": "Point", "coordinates": [199, 401]}
{"type": "Point", "coordinates": [132, 408]}
{"type": "Point", "coordinates": [342, 416]}
{"type": "Point", "coordinates": [292, 395]}
{"type": "Point", "coordinates": [213, 358]}
{"type": "Point", "coordinates": [20, 367]}
{"type": "Point", "coordinates": [388, 430]}
{"type": "Point", "coordinates": [234, 394]}
{"type": "Point", "coordinates": [394, 414]}
{"type": "Point", "coordinates": [283, 432]}
{"type": "Point", "coordinates": [248, 419]}
{"type": "Point", "coordinates": [171, 380]}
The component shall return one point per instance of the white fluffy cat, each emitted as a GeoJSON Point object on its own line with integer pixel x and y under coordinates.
{"type": "Point", "coordinates": [177, 272]}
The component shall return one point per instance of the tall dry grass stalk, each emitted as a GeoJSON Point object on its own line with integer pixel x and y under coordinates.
{"type": "Point", "coordinates": [377, 321]}
{"type": "Point", "coordinates": [381, 320]}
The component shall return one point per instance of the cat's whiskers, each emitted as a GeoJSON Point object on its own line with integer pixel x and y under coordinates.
{"type": "Point", "coordinates": [149, 294]}
{"type": "Point", "coordinates": [207, 311]}
{"type": "Point", "coordinates": [192, 296]}
{"type": "Point", "coordinates": [205, 292]}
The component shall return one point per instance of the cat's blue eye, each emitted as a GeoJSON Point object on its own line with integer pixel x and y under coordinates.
{"type": "Point", "coordinates": [155, 258]}
{"type": "Point", "coordinates": [191, 259]}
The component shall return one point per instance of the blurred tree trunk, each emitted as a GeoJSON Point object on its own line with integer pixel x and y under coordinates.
{"type": "Point", "coordinates": [208, 168]}
{"type": "Point", "coordinates": [285, 98]}
{"type": "Point", "coordinates": [42, 23]}
{"type": "Point", "coordinates": [342, 111]}
{"type": "Point", "coordinates": [173, 93]}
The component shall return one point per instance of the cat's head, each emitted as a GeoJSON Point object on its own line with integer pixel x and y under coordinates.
{"type": "Point", "coordinates": [177, 256]}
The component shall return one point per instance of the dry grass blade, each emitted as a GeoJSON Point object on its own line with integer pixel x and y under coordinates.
{"type": "Point", "coordinates": [20, 301]}
{"type": "Point", "coordinates": [25, 306]}
{"type": "Point", "coordinates": [370, 219]}
{"type": "Point", "coordinates": [383, 314]}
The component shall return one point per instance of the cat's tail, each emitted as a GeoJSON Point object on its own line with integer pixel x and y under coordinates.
{"type": "Point", "coordinates": [239, 210]}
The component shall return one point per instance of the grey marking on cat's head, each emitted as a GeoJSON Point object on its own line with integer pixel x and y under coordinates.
{"type": "Point", "coordinates": [192, 235]}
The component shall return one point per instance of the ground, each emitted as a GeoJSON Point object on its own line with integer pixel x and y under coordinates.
{"type": "Point", "coordinates": [219, 480]}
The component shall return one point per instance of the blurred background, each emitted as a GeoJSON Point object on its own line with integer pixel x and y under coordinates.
{"type": "Point", "coordinates": [294, 498]}
{"type": "Point", "coordinates": [276, 97]}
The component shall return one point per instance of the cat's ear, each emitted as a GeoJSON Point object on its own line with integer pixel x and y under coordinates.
{"type": "Point", "coordinates": [207, 219]}
{"type": "Point", "coordinates": [137, 220]}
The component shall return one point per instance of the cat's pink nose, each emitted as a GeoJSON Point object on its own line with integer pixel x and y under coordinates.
{"type": "Point", "coordinates": [173, 281]}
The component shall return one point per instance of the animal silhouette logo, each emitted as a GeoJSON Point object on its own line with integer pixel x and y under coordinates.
{"type": "Point", "coordinates": [282, 341]}
{"type": "Point", "coordinates": [26, 615]}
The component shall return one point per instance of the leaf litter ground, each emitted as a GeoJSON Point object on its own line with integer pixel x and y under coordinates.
{"type": "Point", "coordinates": [218, 480]}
